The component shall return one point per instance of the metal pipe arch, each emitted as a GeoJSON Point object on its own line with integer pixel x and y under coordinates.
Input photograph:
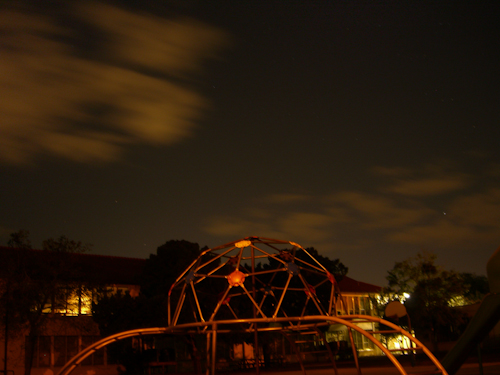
{"type": "Point", "coordinates": [344, 320]}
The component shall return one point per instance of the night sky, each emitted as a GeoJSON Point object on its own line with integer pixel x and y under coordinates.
{"type": "Point", "coordinates": [366, 129]}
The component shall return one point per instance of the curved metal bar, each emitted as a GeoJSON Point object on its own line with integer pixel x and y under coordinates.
{"type": "Point", "coordinates": [354, 351]}
{"type": "Point", "coordinates": [344, 320]}
{"type": "Point", "coordinates": [78, 358]}
{"type": "Point", "coordinates": [403, 332]}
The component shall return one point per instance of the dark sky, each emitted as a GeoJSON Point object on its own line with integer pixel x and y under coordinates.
{"type": "Point", "coordinates": [369, 130]}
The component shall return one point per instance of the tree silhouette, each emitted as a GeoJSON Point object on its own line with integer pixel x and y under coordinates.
{"type": "Point", "coordinates": [435, 294]}
{"type": "Point", "coordinates": [35, 282]}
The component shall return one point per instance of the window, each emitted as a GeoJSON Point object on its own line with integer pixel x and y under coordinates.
{"type": "Point", "coordinates": [65, 348]}
{"type": "Point", "coordinates": [362, 342]}
{"type": "Point", "coordinates": [43, 352]}
{"type": "Point", "coordinates": [57, 350]}
{"type": "Point", "coordinates": [98, 357]}
{"type": "Point", "coordinates": [71, 301]}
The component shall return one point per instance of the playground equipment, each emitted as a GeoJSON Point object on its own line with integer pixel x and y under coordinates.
{"type": "Point", "coordinates": [257, 285]}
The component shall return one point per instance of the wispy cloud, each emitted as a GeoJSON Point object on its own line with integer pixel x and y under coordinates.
{"type": "Point", "coordinates": [429, 180]}
{"type": "Point", "coordinates": [378, 218]}
{"type": "Point", "coordinates": [479, 210]}
{"type": "Point", "coordinates": [59, 99]}
{"type": "Point", "coordinates": [314, 226]}
{"type": "Point", "coordinates": [429, 186]}
{"type": "Point", "coordinates": [288, 198]}
{"type": "Point", "coordinates": [372, 211]}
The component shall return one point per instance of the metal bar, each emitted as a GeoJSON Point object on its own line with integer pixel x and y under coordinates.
{"type": "Point", "coordinates": [320, 268]}
{"type": "Point", "coordinates": [253, 301]}
{"type": "Point", "coordinates": [179, 308]}
{"type": "Point", "coordinates": [214, 347]}
{"type": "Point", "coordinates": [212, 260]}
{"type": "Point", "coordinates": [282, 296]}
{"type": "Point", "coordinates": [312, 296]}
{"type": "Point", "coordinates": [330, 354]}
{"type": "Point", "coordinates": [179, 305]}
{"type": "Point", "coordinates": [354, 351]}
{"type": "Point", "coordinates": [331, 304]}
{"type": "Point", "coordinates": [182, 274]}
{"type": "Point", "coordinates": [197, 302]}
{"type": "Point", "coordinates": [314, 319]}
{"type": "Point", "coordinates": [219, 304]}
{"type": "Point", "coordinates": [207, 367]}
{"type": "Point", "coordinates": [297, 353]}
{"type": "Point", "coordinates": [254, 308]}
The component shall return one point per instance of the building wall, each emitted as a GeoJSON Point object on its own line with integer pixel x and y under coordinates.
{"type": "Point", "coordinates": [63, 337]}
{"type": "Point", "coordinates": [68, 330]}
{"type": "Point", "coordinates": [354, 304]}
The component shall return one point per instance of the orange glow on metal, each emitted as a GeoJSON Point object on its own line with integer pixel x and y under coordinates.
{"type": "Point", "coordinates": [310, 290]}
{"type": "Point", "coordinates": [236, 278]}
{"type": "Point", "coordinates": [331, 277]}
{"type": "Point", "coordinates": [242, 244]}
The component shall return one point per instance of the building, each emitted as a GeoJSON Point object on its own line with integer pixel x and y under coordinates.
{"type": "Point", "coordinates": [70, 327]}
{"type": "Point", "coordinates": [357, 299]}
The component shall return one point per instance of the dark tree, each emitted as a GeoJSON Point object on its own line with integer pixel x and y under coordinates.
{"type": "Point", "coordinates": [476, 287]}
{"type": "Point", "coordinates": [34, 282]}
{"type": "Point", "coordinates": [120, 312]}
{"type": "Point", "coordinates": [116, 313]}
{"type": "Point", "coordinates": [164, 267]}
{"type": "Point", "coordinates": [435, 295]}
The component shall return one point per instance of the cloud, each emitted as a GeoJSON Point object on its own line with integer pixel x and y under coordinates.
{"type": "Point", "coordinates": [390, 171]}
{"type": "Point", "coordinates": [134, 88]}
{"type": "Point", "coordinates": [241, 226]}
{"type": "Point", "coordinates": [429, 180]}
{"type": "Point", "coordinates": [480, 210]}
{"type": "Point", "coordinates": [372, 211]}
{"type": "Point", "coordinates": [82, 147]}
{"type": "Point", "coordinates": [287, 198]}
{"type": "Point", "coordinates": [429, 186]}
{"type": "Point", "coordinates": [355, 220]}
{"type": "Point", "coordinates": [313, 226]}
{"type": "Point", "coordinates": [178, 45]}
{"type": "Point", "coordinates": [436, 234]}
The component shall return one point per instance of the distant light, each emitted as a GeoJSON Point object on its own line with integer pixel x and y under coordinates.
{"type": "Point", "coordinates": [406, 295]}
{"type": "Point", "coordinates": [236, 278]}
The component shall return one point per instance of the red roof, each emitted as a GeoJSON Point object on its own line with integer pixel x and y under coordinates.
{"type": "Point", "coordinates": [348, 285]}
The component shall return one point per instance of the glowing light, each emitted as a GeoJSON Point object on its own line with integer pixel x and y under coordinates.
{"type": "Point", "coordinates": [406, 295]}
{"type": "Point", "coordinates": [242, 244]}
{"type": "Point", "coordinates": [236, 278]}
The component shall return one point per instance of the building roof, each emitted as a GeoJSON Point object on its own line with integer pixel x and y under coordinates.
{"type": "Point", "coordinates": [126, 271]}
{"type": "Point", "coordinates": [89, 267]}
{"type": "Point", "coordinates": [113, 269]}
{"type": "Point", "coordinates": [348, 285]}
